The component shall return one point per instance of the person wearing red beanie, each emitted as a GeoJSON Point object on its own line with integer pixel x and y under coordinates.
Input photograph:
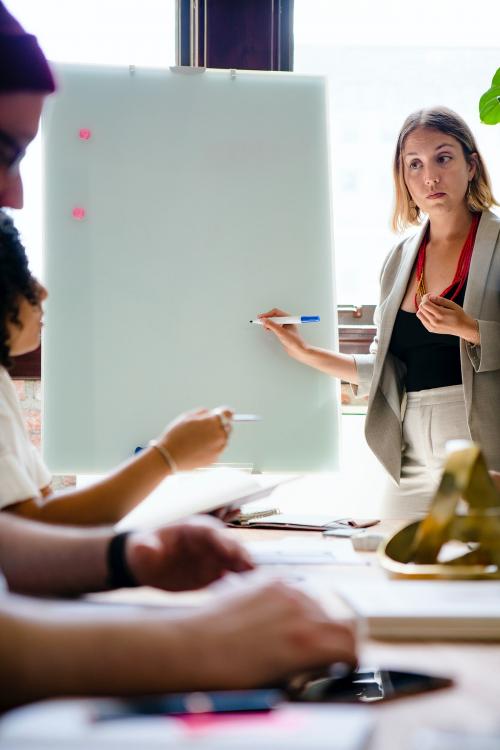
{"type": "Point", "coordinates": [25, 80]}
{"type": "Point", "coordinates": [23, 66]}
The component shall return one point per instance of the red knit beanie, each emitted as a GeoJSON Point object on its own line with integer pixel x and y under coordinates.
{"type": "Point", "coordinates": [23, 66]}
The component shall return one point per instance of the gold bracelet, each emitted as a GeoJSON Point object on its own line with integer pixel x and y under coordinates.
{"type": "Point", "coordinates": [165, 454]}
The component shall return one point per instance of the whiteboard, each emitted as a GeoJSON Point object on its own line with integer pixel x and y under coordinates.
{"type": "Point", "coordinates": [206, 200]}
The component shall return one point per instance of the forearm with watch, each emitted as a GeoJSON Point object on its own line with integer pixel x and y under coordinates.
{"type": "Point", "coordinates": [36, 558]}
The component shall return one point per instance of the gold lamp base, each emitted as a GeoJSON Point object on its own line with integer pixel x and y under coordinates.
{"type": "Point", "coordinates": [460, 536]}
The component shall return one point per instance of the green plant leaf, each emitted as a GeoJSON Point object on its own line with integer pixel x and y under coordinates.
{"type": "Point", "coordinates": [489, 104]}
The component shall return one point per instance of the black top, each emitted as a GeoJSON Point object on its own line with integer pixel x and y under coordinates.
{"type": "Point", "coordinates": [432, 359]}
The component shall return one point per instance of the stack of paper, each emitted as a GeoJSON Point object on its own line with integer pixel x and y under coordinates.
{"type": "Point", "coordinates": [464, 610]}
{"type": "Point", "coordinates": [59, 725]}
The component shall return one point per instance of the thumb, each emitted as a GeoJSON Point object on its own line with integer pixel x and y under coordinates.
{"type": "Point", "coordinates": [441, 301]}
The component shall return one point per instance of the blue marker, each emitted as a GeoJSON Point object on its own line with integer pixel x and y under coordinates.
{"type": "Point", "coordinates": [284, 320]}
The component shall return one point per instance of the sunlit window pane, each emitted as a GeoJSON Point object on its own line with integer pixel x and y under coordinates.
{"type": "Point", "coordinates": [102, 32]}
{"type": "Point", "coordinates": [384, 60]}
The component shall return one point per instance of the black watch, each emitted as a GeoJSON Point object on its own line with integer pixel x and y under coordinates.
{"type": "Point", "coordinates": [119, 574]}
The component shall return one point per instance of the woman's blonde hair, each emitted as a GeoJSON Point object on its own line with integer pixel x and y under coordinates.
{"type": "Point", "coordinates": [479, 192]}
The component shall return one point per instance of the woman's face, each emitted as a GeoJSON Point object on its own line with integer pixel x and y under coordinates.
{"type": "Point", "coordinates": [19, 118]}
{"type": "Point", "coordinates": [25, 337]}
{"type": "Point", "coordinates": [435, 170]}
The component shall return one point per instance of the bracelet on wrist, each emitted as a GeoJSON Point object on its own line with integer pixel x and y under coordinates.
{"type": "Point", "coordinates": [119, 573]}
{"type": "Point", "coordinates": [165, 454]}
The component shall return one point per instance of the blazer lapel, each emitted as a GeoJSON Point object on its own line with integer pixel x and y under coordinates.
{"type": "Point", "coordinates": [484, 246]}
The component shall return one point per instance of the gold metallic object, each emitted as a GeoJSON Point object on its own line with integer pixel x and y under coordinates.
{"type": "Point", "coordinates": [420, 291]}
{"type": "Point", "coordinates": [460, 536]}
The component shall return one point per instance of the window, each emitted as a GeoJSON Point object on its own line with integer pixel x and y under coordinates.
{"type": "Point", "coordinates": [119, 32]}
{"type": "Point", "coordinates": [384, 60]}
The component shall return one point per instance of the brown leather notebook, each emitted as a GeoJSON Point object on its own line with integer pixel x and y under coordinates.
{"type": "Point", "coordinates": [300, 521]}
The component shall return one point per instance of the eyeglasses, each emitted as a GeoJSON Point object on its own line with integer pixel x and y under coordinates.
{"type": "Point", "coordinates": [11, 152]}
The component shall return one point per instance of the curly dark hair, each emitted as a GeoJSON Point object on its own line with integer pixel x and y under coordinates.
{"type": "Point", "coordinates": [16, 280]}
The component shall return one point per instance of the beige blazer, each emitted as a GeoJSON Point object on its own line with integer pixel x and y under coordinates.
{"type": "Point", "coordinates": [381, 375]}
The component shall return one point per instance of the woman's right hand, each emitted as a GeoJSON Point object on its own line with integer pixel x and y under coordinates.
{"type": "Point", "coordinates": [288, 335]}
{"type": "Point", "coordinates": [197, 438]}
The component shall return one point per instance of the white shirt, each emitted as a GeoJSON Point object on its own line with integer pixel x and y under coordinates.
{"type": "Point", "coordinates": [22, 471]}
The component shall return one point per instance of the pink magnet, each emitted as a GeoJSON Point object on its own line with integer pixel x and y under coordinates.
{"type": "Point", "coordinates": [78, 213]}
{"type": "Point", "coordinates": [84, 134]}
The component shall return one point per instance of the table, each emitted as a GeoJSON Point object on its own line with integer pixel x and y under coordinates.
{"type": "Point", "coordinates": [472, 704]}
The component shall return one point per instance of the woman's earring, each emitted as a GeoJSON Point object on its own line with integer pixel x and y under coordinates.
{"type": "Point", "coordinates": [413, 210]}
{"type": "Point", "coordinates": [468, 194]}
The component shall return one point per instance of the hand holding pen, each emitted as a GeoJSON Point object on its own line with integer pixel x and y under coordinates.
{"type": "Point", "coordinates": [287, 334]}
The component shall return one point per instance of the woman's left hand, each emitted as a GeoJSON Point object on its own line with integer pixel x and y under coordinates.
{"type": "Point", "coordinates": [441, 315]}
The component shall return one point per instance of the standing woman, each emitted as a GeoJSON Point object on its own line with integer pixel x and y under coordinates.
{"type": "Point", "coordinates": [433, 372]}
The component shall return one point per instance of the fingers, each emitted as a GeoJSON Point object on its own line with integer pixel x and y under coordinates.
{"type": "Point", "coordinates": [196, 438]}
{"type": "Point", "coordinates": [282, 332]}
{"type": "Point", "coordinates": [442, 301]}
{"type": "Point", "coordinates": [272, 326]}
{"type": "Point", "coordinates": [427, 307]}
{"type": "Point", "coordinates": [274, 313]}
{"type": "Point", "coordinates": [339, 643]}
{"type": "Point", "coordinates": [204, 545]}
{"type": "Point", "coordinates": [430, 314]}
{"type": "Point", "coordinates": [227, 513]}
{"type": "Point", "coordinates": [206, 521]}
{"type": "Point", "coordinates": [225, 415]}
{"type": "Point", "coordinates": [228, 554]}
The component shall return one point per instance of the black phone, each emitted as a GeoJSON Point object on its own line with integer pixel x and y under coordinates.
{"type": "Point", "coordinates": [367, 686]}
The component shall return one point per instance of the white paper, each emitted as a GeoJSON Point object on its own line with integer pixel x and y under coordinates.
{"type": "Point", "coordinates": [293, 550]}
{"type": "Point", "coordinates": [58, 725]}
{"type": "Point", "coordinates": [188, 493]}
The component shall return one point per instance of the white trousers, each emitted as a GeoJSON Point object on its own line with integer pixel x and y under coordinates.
{"type": "Point", "coordinates": [431, 418]}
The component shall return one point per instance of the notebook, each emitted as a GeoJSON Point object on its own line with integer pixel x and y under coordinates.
{"type": "Point", "coordinates": [273, 519]}
{"type": "Point", "coordinates": [419, 610]}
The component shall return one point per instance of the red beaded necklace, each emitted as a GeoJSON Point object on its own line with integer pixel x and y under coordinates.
{"type": "Point", "coordinates": [463, 264]}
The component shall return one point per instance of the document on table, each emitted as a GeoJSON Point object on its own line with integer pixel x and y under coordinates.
{"type": "Point", "coordinates": [294, 550]}
{"type": "Point", "coordinates": [69, 724]}
{"type": "Point", "coordinates": [465, 610]}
